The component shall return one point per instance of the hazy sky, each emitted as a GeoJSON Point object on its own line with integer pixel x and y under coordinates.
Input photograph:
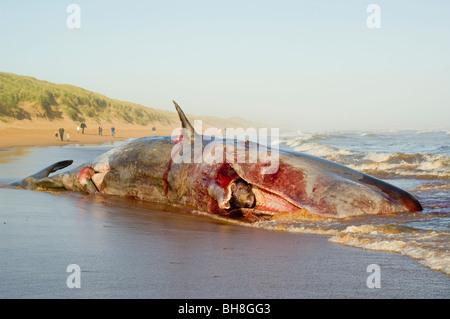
{"type": "Point", "coordinates": [309, 65]}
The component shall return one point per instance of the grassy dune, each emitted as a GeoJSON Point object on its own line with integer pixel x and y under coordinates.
{"type": "Point", "coordinates": [23, 97]}
{"type": "Point", "coordinates": [27, 98]}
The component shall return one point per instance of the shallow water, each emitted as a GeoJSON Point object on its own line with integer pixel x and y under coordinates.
{"type": "Point", "coordinates": [132, 249]}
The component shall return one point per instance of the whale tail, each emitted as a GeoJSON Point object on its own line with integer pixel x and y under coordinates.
{"type": "Point", "coordinates": [44, 173]}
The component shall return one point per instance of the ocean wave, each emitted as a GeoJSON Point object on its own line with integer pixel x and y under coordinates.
{"type": "Point", "coordinates": [380, 164]}
{"type": "Point", "coordinates": [297, 138]}
{"type": "Point", "coordinates": [369, 134]}
{"type": "Point", "coordinates": [404, 165]}
{"type": "Point", "coordinates": [321, 150]}
{"type": "Point", "coordinates": [432, 131]}
{"type": "Point", "coordinates": [429, 247]}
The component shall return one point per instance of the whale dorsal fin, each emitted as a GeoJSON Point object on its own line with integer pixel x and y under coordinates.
{"type": "Point", "coordinates": [184, 121]}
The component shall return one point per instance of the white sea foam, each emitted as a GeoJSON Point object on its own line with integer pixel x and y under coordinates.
{"type": "Point", "coordinates": [429, 248]}
{"type": "Point", "coordinates": [376, 157]}
{"type": "Point", "coordinates": [321, 150]}
{"type": "Point", "coordinates": [370, 134]}
{"type": "Point", "coordinates": [399, 164]}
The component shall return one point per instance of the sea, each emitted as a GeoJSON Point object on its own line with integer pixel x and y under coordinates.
{"type": "Point", "coordinates": [415, 160]}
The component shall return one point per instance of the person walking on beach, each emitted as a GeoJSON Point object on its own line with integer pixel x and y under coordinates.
{"type": "Point", "coordinates": [154, 130]}
{"type": "Point", "coordinates": [61, 133]}
{"type": "Point", "coordinates": [68, 136]}
{"type": "Point", "coordinates": [83, 126]}
{"type": "Point", "coordinates": [100, 131]}
{"type": "Point", "coordinates": [113, 131]}
{"type": "Point", "coordinates": [78, 130]}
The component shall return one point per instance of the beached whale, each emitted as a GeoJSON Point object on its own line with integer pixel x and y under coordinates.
{"type": "Point", "coordinates": [219, 181]}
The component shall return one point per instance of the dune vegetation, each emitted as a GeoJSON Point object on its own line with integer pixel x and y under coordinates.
{"type": "Point", "coordinates": [23, 97]}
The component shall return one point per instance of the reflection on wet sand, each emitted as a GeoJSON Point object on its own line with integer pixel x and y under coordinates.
{"type": "Point", "coordinates": [9, 155]}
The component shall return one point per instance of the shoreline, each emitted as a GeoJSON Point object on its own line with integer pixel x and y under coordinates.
{"type": "Point", "coordinates": [29, 136]}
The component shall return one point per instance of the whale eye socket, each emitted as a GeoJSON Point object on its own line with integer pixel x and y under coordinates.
{"type": "Point", "coordinates": [242, 195]}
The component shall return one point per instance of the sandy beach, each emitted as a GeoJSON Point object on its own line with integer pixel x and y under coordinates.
{"type": "Point", "coordinates": [42, 133]}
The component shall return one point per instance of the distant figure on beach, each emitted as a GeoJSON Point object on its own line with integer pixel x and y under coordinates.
{"type": "Point", "coordinates": [113, 131]}
{"type": "Point", "coordinates": [78, 130]}
{"type": "Point", "coordinates": [100, 131]}
{"type": "Point", "coordinates": [56, 134]}
{"type": "Point", "coordinates": [61, 133]}
{"type": "Point", "coordinates": [154, 130]}
{"type": "Point", "coordinates": [83, 126]}
{"type": "Point", "coordinates": [68, 136]}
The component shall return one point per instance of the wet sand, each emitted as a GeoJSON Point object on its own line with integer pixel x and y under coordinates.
{"type": "Point", "coordinates": [132, 249]}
